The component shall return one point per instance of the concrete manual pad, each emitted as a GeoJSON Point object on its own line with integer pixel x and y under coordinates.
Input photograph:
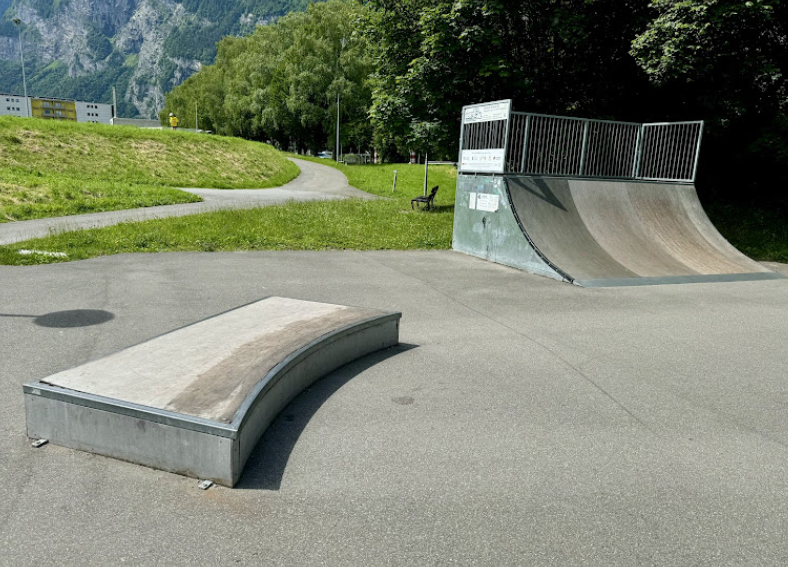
{"type": "Point", "coordinates": [196, 400]}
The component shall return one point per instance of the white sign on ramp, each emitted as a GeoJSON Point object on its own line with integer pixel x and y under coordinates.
{"type": "Point", "coordinates": [487, 202]}
{"type": "Point", "coordinates": [490, 161]}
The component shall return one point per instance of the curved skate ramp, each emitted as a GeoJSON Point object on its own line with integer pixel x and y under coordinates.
{"type": "Point", "coordinates": [597, 232]}
{"type": "Point", "coordinates": [603, 233]}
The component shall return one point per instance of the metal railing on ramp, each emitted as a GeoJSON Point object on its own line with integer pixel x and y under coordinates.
{"type": "Point", "coordinates": [494, 139]}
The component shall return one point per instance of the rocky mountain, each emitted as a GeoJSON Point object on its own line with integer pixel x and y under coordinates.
{"type": "Point", "coordinates": [82, 48]}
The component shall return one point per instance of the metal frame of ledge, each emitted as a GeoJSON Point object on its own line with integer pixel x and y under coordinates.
{"type": "Point", "coordinates": [190, 445]}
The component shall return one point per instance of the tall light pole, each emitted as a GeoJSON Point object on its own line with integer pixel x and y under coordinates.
{"type": "Point", "coordinates": [17, 23]}
{"type": "Point", "coordinates": [339, 67]}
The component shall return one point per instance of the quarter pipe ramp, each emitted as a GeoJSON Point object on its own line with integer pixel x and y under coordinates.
{"type": "Point", "coordinates": [595, 233]}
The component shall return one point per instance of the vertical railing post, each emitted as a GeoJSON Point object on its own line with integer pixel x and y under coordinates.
{"type": "Point", "coordinates": [506, 141]}
{"type": "Point", "coordinates": [525, 142]}
{"type": "Point", "coordinates": [462, 140]}
{"type": "Point", "coordinates": [697, 152]}
{"type": "Point", "coordinates": [583, 149]}
{"type": "Point", "coordinates": [638, 153]}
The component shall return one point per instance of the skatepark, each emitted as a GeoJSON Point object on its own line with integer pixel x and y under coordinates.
{"type": "Point", "coordinates": [519, 420]}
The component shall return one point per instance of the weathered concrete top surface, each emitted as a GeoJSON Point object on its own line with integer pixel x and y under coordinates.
{"type": "Point", "coordinates": [596, 229]}
{"type": "Point", "coordinates": [207, 369]}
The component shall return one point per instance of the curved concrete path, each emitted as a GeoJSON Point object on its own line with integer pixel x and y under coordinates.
{"type": "Point", "coordinates": [315, 183]}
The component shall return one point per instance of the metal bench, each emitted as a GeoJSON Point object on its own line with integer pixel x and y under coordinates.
{"type": "Point", "coordinates": [428, 199]}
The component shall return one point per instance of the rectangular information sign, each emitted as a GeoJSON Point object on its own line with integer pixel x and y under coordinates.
{"type": "Point", "coordinates": [487, 112]}
{"type": "Point", "coordinates": [487, 202]}
{"type": "Point", "coordinates": [489, 161]}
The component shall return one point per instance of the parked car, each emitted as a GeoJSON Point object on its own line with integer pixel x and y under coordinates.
{"type": "Point", "coordinates": [326, 155]}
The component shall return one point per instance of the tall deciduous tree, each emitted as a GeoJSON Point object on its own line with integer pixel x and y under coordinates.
{"type": "Point", "coordinates": [557, 56]}
{"type": "Point", "coordinates": [281, 83]}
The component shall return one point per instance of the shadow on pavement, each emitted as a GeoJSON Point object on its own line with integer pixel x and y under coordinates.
{"type": "Point", "coordinates": [67, 319]}
{"type": "Point", "coordinates": [266, 465]}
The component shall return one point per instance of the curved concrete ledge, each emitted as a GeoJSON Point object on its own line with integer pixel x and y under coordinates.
{"type": "Point", "coordinates": [197, 400]}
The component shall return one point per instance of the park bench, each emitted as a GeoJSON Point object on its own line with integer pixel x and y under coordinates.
{"type": "Point", "coordinates": [196, 401]}
{"type": "Point", "coordinates": [428, 199]}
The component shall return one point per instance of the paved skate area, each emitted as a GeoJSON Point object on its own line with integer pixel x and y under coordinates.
{"type": "Point", "coordinates": [522, 421]}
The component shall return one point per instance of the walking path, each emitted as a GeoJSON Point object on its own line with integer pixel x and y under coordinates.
{"type": "Point", "coordinates": [315, 183]}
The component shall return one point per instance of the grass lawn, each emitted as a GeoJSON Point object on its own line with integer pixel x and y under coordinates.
{"type": "Point", "coordinates": [386, 223]}
{"type": "Point", "coordinates": [50, 168]}
{"type": "Point", "coordinates": [761, 234]}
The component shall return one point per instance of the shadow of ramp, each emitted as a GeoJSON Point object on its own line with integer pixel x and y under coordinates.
{"type": "Point", "coordinates": [539, 188]}
{"type": "Point", "coordinates": [266, 465]}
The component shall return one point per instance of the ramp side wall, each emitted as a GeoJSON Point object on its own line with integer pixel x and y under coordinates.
{"type": "Point", "coordinates": [493, 235]}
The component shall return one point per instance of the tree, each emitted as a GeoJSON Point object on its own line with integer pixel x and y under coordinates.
{"type": "Point", "coordinates": [280, 84]}
{"type": "Point", "coordinates": [555, 56]}
{"type": "Point", "coordinates": [724, 60]}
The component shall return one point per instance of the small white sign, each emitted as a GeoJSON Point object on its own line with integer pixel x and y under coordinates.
{"type": "Point", "coordinates": [487, 202]}
{"type": "Point", "coordinates": [486, 112]}
{"type": "Point", "coordinates": [490, 161]}
{"type": "Point", "coordinates": [471, 200]}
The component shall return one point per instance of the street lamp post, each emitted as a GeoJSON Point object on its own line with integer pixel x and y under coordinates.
{"type": "Point", "coordinates": [339, 67]}
{"type": "Point", "coordinates": [17, 23]}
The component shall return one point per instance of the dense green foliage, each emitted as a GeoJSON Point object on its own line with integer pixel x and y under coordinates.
{"type": "Point", "coordinates": [281, 83]}
{"type": "Point", "coordinates": [560, 57]}
{"type": "Point", "coordinates": [726, 62]}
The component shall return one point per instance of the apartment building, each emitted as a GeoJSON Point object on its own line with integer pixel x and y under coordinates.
{"type": "Point", "coordinates": [56, 109]}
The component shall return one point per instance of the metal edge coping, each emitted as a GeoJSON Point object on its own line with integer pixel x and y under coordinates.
{"type": "Point", "coordinates": [667, 280]}
{"type": "Point", "coordinates": [576, 177]}
{"type": "Point", "coordinates": [112, 405]}
{"type": "Point", "coordinates": [294, 358]}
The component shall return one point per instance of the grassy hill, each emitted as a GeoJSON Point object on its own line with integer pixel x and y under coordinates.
{"type": "Point", "coordinates": [52, 168]}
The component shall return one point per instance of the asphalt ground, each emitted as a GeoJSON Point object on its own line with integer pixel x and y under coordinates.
{"type": "Point", "coordinates": [522, 421]}
{"type": "Point", "coordinates": [315, 183]}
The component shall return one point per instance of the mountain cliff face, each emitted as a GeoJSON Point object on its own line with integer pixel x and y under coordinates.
{"type": "Point", "coordinates": [82, 48]}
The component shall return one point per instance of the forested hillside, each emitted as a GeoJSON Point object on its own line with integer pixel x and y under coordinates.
{"type": "Point", "coordinates": [82, 48]}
